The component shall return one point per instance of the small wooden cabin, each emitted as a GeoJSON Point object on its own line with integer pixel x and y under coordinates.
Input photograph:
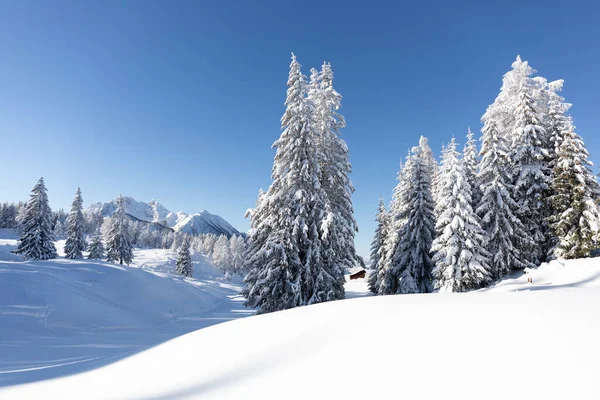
{"type": "Point", "coordinates": [360, 274]}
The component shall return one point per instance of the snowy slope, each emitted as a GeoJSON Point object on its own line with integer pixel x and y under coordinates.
{"type": "Point", "coordinates": [64, 316]}
{"type": "Point", "coordinates": [517, 340]}
{"type": "Point", "coordinates": [202, 222]}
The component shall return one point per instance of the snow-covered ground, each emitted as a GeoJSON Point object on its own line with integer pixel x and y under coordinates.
{"type": "Point", "coordinates": [65, 316]}
{"type": "Point", "coordinates": [514, 340]}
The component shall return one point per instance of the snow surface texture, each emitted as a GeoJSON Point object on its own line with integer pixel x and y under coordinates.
{"type": "Point", "coordinates": [513, 340]}
{"type": "Point", "coordinates": [64, 316]}
{"type": "Point", "coordinates": [194, 224]}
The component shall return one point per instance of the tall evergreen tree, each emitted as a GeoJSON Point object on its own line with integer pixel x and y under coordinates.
{"type": "Point", "coordinates": [222, 253]}
{"type": "Point", "coordinates": [237, 246]}
{"type": "Point", "coordinates": [531, 175]}
{"type": "Point", "coordinates": [76, 244]}
{"type": "Point", "coordinates": [502, 110]}
{"type": "Point", "coordinates": [339, 226]}
{"type": "Point", "coordinates": [411, 266]}
{"type": "Point", "coordinates": [285, 248]}
{"type": "Point", "coordinates": [505, 232]}
{"type": "Point", "coordinates": [96, 247]}
{"type": "Point", "coordinates": [37, 238]}
{"type": "Point", "coordinates": [378, 247]}
{"type": "Point", "coordinates": [576, 219]}
{"type": "Point", "coordinates": [118, 242]}
{"type": "Point", "coordinates": [557, 120]}
{"type": "Point", "coordinates": [471, 164]}
{"type": "Point", "coordinates": [397, 219]}
{"type": "Point", "coordinates": [461, 262]}
{"type": "Point", "coordinates": [184, 265]}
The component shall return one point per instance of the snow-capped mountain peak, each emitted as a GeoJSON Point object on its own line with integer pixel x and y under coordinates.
{"type": "Point", "coordinates": [153, 211]}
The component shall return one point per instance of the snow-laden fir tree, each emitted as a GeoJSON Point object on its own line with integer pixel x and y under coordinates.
{"type": "Point", "coordinates": [411, 266]}
{"type": "Point", "coordinates": [184, 265]}
{"type": "Point", "coordinates": [209, 244]}
{"type": "Point", "coordinates": [432, 165]}
{"type": "Point", "coordinates": [502, 110]}
{"type": "Point", "coordinates": [397, 219]}
{"type": "Point", "coordinates": [377, 257]}
{"type": "Point", "coordinates": [76, 244]}
{"type": "Point", "coordinates": [505, 233]}
{"type": "Point", "coordinates": [471, 164]}
{"type": "Point", "coordinates": [237, 245]}
{"type": "Point", "coordinates": [339, 226]}
{"type": "Point", "coordinates": [285, 248]}
{"type": "Point", "coordinates": [20, 218]}
{"type": "Point", "coordinates": [118, 240]}
{"type": "Point", "coordinates": [557, 120]}
{"type": "Point", "coordinates": [59, 230]}
{"type": "Point", "coordinates": [36, 241]}
{"type": "Point", "coordinates": [531, 175]}
{"type": "Point", "coordinates": [461, 261]}
{"type": "Point", "coordinates": [221, 253]}
{"type": "Point", "coordinates": [576, 221]}
{"type": "Point", "coordinates": [96, 247]}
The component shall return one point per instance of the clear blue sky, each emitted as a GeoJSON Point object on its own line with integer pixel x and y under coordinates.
{"type": "Point", "coordinates": [181, 100]}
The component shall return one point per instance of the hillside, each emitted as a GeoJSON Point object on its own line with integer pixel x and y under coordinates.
{"type": "Point", "coordinates": [63, 316]}
{"type": "Point", "coordinates": [513, 340]}
{"type": "Point", "coordinates": [154, 212]}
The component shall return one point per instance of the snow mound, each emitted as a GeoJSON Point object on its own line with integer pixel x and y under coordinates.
{"type": "Point", "coordinates": [523, 345]}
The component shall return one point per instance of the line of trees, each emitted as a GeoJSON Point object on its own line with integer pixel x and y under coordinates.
{"type": "Point", "coordinates": [526, 197]}
{"type": "Point", "coordinates": [112, 238]}
{"type": "Point", "coordinates": [37, 237]}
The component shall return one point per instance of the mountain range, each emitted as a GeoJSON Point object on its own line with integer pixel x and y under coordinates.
{"type": "Point", "coordinates": [154, 212]}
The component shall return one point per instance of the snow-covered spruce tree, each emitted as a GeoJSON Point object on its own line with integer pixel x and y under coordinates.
{"type": "Point", "coordinates": [96, 247]}
{"type": "Point", "coordinates": [284, 246]}
{"type": "Point", "coordinates": [76, 244]}
{"type": "Point", "coordinates": [37, 239]}
{"type": "Point", "coordinates": [505, 233]}
{"type": "Point", "coordinates": [557, 121]}
{"type": "Point", "coordinates": [59, 230]}
{"type": "Point", "coordinates": [502, 110]}
{"type": "Point", "coordinates": [118, 241]}
{"type": "Point", "coordinates": [396, 216]}
{"type": "Point", "coordinates": [531, 174]}
{"type": "Point", "coordinates": [471, 164]}
{"type": "Point", "coordinates": [184, 265]}
{"type": "Point", "coordinates": [378, 247]}
{"type": "Point", "coordinates": [432, 165]}
{"type": "Point", "coordinates": [576, 221]}
{"type": "Point", "coordinates": [222, 254]}
{"type": "Point", "coordinates": [411, 266]}
{"type": "Point", "coordinates": [237, 245]}
{"type": "Point", "coordinates": [209, 244]}
{"type": "Point", "coordinates": [461, 261]}
{"type": "Point", "coordinates": [339, 226]}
